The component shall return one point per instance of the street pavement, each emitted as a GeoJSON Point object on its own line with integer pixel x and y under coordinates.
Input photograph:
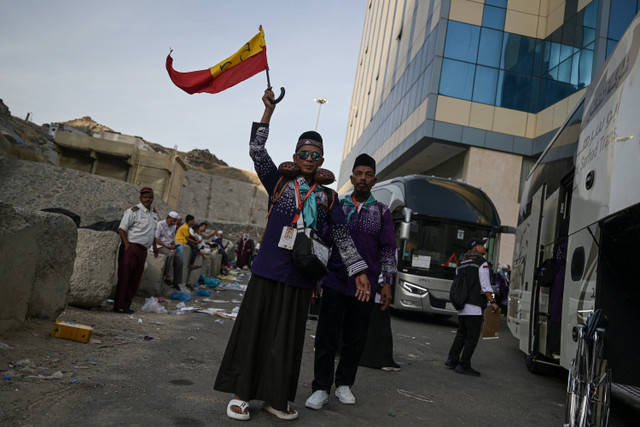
{"type": "Point", "coordinates": [169, 381]}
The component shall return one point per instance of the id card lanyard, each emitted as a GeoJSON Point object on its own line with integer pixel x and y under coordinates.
{"type": "Point", "coordinates": [297, 217]}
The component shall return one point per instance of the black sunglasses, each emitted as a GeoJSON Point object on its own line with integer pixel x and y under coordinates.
{"type": "Point", "coordinates": [315, 156]}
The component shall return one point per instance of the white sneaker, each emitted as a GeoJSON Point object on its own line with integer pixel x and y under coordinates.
{"type": "Point", "coordinates": [344, 395]}
{"type": "Point", "coordinates": [317, 399]}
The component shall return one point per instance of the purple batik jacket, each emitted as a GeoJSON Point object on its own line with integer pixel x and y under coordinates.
{"type": "Point", "coordinates": [375, 240]}
{"type": "Point", "coordinates": [276, 263]}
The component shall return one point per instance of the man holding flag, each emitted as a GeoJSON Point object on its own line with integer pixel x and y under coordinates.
{"type": "Point", "coordinates": [264, 353]}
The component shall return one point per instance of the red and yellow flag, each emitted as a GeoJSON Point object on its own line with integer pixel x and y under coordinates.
{"type": "Point", "coordinates": [246, 62]}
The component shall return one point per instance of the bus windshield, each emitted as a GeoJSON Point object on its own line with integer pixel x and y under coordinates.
{"type": "Point", "coordinates": [435, 247]}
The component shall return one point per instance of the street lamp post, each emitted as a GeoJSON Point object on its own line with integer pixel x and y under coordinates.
{"type": "Point", "coordinates": [319, 101]}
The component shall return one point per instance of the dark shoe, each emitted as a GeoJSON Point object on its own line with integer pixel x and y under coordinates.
{"type": "Point", "coordinates": [123, 310]}
{"type": "Point", "coordinates": [450, 364]}
{"type": "Point", "coordinates": [168, 282]}
{"type": "Point", "coordinates": [193, 267]}
{"type": "Point", "coordinates": [467, 371]}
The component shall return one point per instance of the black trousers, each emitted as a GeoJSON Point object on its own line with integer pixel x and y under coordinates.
{"type": "Point", "coordinates": [339, 312]}
{"type": "Point", "coordinates": [264, 353]}
{"type": "Point", "coordinates": [194, 252]}
{"type": "Point", "coordinates": [466, 340]}
{"type": "Point", "coordinates": [378, 348]}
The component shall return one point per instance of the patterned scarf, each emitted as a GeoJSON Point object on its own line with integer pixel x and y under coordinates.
{"type": "Point", "coordinates": [348, 201]}
{"type": "Point", "coordinates": [310, 209]}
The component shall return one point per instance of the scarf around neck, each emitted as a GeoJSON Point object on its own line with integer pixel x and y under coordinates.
{"type": "Point", "coordinates": [310, 209]}
{"type": "Point", "coordinates": [348, 201]}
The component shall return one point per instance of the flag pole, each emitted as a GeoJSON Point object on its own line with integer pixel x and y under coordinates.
{"type": "Point", "coordinates": [282, 91]}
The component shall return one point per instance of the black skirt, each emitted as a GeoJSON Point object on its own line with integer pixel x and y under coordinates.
{"type": "Point", "coordinates": [264, 352]}
{"type": "Point", "coordinates": [378, 349]}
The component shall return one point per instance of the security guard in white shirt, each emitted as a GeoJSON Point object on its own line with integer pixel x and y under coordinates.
{"type": "Point", "coordinates": [137, 231]}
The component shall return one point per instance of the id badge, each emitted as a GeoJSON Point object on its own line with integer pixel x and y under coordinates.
{"type": "Point", "coordinates": [287, 238]}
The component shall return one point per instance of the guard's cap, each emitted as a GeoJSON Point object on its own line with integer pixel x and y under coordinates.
{"type": "Point", "coordinates": [472, 242]}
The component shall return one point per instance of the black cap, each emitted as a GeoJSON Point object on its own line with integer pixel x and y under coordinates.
{"type": "Point", "coordinates": [365, 160]}
{"type": "Point", "coordinates": [472, 242]}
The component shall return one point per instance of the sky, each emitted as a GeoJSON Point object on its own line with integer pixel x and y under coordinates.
{"type": "Point", "coordinates": [66, 59]}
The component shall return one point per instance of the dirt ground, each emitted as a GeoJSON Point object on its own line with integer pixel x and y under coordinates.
{"type": "Point", "coordinates": [150, 369]}
{"type": "Point", "coordinates": [52, 381]}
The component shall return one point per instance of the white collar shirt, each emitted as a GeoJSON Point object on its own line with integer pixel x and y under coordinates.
{"type": "Point", "coordinates": [140, 225]}
{"type": "Point", "coordinates": [166, 233]}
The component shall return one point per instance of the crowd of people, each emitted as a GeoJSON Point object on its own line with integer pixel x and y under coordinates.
{"type": "Point", "coordinates": [356, 240]}
{"type": "Point", "coordinates": [140, 229]}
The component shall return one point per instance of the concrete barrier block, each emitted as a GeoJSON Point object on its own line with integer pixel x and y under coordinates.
{"type": "Point", "coordinates": [95, 271]}
{"type": "Point", "coordinates": [152, 282]}
{"type": "Point", "coordinates": [38, 252]}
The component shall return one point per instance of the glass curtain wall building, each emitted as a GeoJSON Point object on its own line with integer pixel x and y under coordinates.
{"type": "Point", "coordinates": [474, 89]}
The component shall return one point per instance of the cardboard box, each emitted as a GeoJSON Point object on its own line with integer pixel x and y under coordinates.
{"type": "Point", "coordinates": [72, 331]}
{"type": "Point", "coordinates": [491, 324]}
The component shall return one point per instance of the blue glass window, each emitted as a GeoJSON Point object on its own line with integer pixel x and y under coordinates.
{"type": "Point", "coordinates": [586, 68]}
{"type": "Point", "coordinates": [462, 41]}
{"type": "Point", "coordinates": [588, 36]}
{"type": "Point", "coordinates": [539, 57]}
{"type": "Point", "coordinates": [611, 44]}
{"type": "Point", "coordinates": [484, 89]}
{"type": "Point", "coordinates": [456, 79]}
{"type": "Point", "coordinates": [490, 47]}
{"type": "Point", "coordinates": [493, 17]}
{"type": "Point", "coordinates": [554, 54]}
{"type": "Point", "coordinates": [565, 51]}
{"type": "Point", "coordinates": [621, 14]}
{"type": "Point", "coordinates": [513, 90]}
{"type": "Point", "coordinates": [499, 3]}
{"type": "Point", "coordinates": [534, 93]}
{"type": "Point", "coordinates": [591, 15]}
{"type": "Point", "coordinates": [517, 53]}
{"type": "Point", "coordinates": [575, 66]}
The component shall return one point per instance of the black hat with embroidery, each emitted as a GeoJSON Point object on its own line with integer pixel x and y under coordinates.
{"type": "Point", "coordinates": [365, 160]}
{"type": "Point", "coordinates": [310, 137]}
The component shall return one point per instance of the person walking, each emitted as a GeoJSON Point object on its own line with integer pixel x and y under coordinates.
{"type": "Point", "coordinates": [477, 278]}
{"type": "Point", "coordinates": [137, 231]}
{"type": "Point", "coordinates": [263, 356]}
{"type": "Point", "coordinates": [341, 312]}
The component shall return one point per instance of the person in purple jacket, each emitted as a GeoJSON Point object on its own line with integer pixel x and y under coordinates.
{"type": "Point", "coordinates": [264, 352]}
{"type": "Point", "coordinates": [371, 228]}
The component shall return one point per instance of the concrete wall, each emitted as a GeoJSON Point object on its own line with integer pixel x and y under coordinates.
{"type": "Point", "coordinates": [38, 253]}
{"type": "Point", "coordinates": [123, 161]}
{"type": "Point", "coordinates": [37, 186]}
{"type": "Point", "coordinates": [498, 175]}
{"type": "Point", "coordinates": [228, 203]}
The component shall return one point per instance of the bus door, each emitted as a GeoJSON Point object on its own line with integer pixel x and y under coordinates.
{"type": "Point", "coordinates": [545, 339]}
{"type": "Point", "coordinates": [524, 264]}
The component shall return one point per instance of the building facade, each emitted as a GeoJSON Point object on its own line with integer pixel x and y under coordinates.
{"type": "Point", "coordinates": [474, 89]}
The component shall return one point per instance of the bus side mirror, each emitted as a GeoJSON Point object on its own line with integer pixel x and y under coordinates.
{"type": "Point", "coordinates": [405, 228]}
{"type": "Point", "coordinates": [405, 225]}
{"type": "Point", "coordinates": [406, 213]}
{"type": "Point", "coordinates": [507, 229]}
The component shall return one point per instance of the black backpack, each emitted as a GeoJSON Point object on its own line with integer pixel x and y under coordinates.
{"type": "Point", "coordinates": [459, 290]}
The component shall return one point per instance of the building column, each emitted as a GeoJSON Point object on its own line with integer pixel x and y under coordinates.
{"type": "Point", "coordinates": [498, 175]}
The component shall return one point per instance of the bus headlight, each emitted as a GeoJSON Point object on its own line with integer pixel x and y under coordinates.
{"type": "Point", "coordinates": [412, 289]}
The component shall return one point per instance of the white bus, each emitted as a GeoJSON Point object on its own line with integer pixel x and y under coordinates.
{"type": "Point", "coordinates": [585, 190]}
{"type": "Point", "coordinates": [433, 217]}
